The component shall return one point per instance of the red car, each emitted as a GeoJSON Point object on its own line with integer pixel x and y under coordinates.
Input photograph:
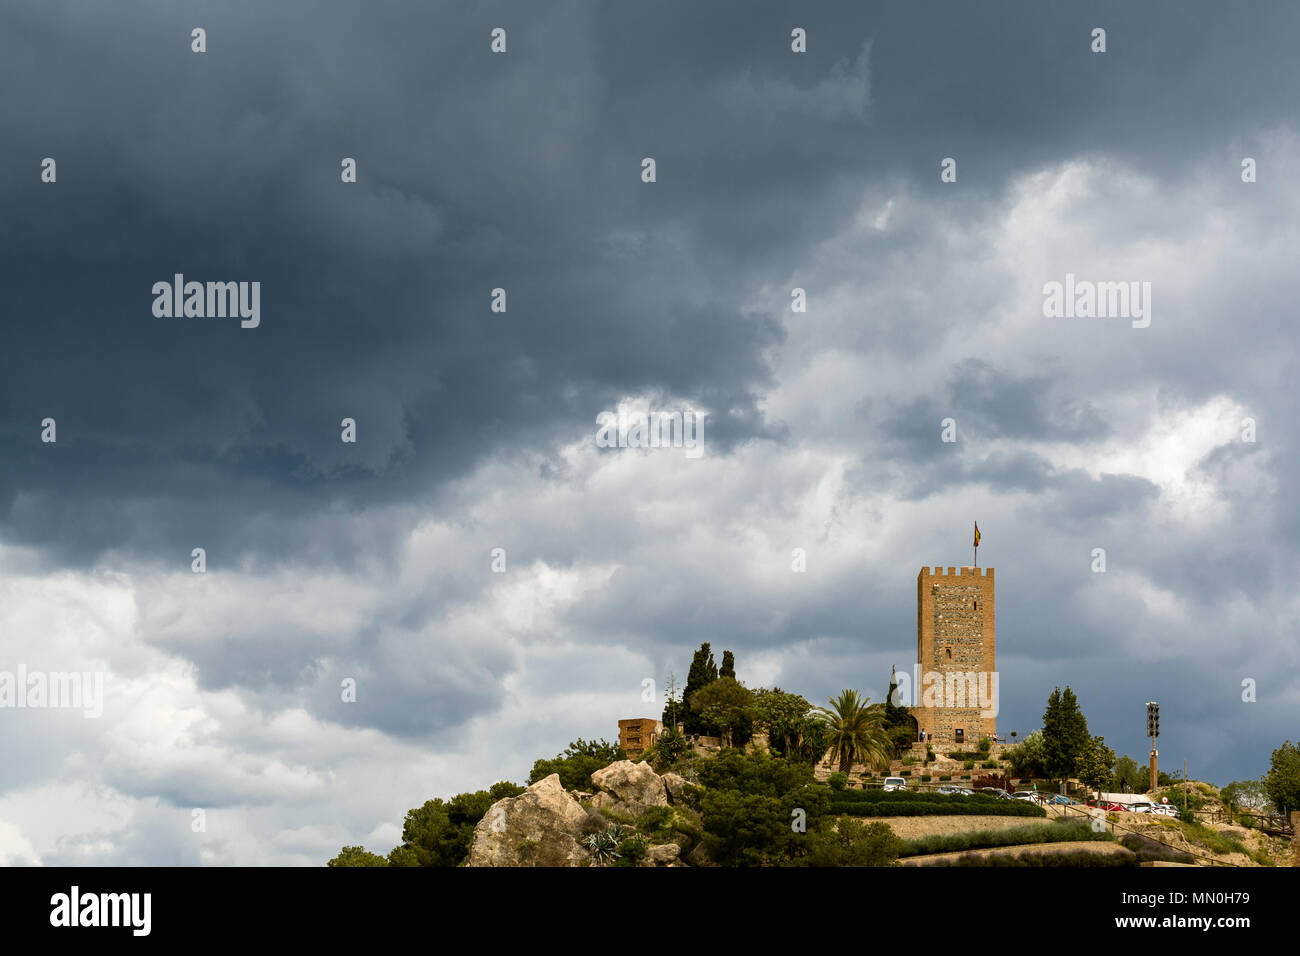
{"type": "Point", "coordinates": [1110, 807]}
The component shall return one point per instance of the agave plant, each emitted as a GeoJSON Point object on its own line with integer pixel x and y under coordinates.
{"type": "Point", "coordinates": [604, 845]}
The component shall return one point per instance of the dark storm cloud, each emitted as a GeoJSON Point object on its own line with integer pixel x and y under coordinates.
{"type": "Point", "coordinates": [987, 403]}
{"type": "Point", "coordinates": [476, 172]}
{"type": "Point", "coordinates": [375, 296]}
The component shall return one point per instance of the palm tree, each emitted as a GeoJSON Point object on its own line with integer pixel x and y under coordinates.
{"type": "Point", "coordinates": [857, 733]}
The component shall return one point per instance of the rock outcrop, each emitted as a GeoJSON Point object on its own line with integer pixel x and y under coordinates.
{"type": "Point", "coordinates": [545, 825]}
{"type": "Point", "coordinates": [676, 785]}
{"type": "Point", "coordinates": [540, 827]}
{"type": "Point", "coordinates": [631, 784]}
{"type": "Point", "coordinates": [664, 854]}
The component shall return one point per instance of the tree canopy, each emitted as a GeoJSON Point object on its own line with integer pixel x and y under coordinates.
{"type": "Point", "coordinates": [1065, 734]}
{"type": "Point", "coordinates": [578, 762]}
{"type": "Point", "coordinates": [724, 705]}
{"type": "Point", "coordinates": [781, 716]}
{"type": "Point", "coordinates": [703, 672]}
{"type": "Point", "coordinates": [439, 833]}
{"type": "Point", "coordinates": [1282, 782]}
{"type": "Point", "coordinates": [1094, 764]}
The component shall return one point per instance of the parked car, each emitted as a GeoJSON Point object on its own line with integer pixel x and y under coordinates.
{"type": "Point", "coordinates": [955, 790]}
{"type": "Point", "coordinates": [995, 792]}
{"type": "Point", "coordinates": [1027, 795]}
{"type": "Point", "coordinates": [1164, 810]}
{"type": "Point", "coordinates": [895, 783]}
{"type": "Point", "coordinates": [1059, 798]}
{"type": "Point", "coordinates": [1146, 807]}
{"type": "Point", "coordinates": [1110, 807]}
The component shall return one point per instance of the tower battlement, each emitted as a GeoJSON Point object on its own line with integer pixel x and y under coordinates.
{"type": "Point", "coordinates": [967, 571]}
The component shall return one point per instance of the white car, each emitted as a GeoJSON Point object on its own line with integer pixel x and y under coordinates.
{"type": "Point", "coordinates": [1142, 807]}
{"type": "Point", "coordinates": [895, 783]}
{"type": "Point", "coordinates": [1164, 810]}
{"type": "Point", "coordinates": [1027, 795]}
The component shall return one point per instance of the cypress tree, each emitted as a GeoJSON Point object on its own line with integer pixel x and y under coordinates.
{"type": "Point", "coordinates": [1065, 733]}
{"type": "Point", "coordinates": [703, 672]}
{"type": "Point", "coordinates": [728, 668]}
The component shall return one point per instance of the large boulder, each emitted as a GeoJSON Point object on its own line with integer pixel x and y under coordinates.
{"type": "Point", "coordinates": [676, 785]}
{"type": "Point", "coordinates": [665, 853]}
{"type": "Point", "coordinates": [540, 827]}
{"type": "Point", "coordinates": [632, 783]}
{"type": "Point", "coordinates": [699, 857]}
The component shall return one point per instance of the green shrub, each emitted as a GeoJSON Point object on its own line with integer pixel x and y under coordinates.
{"type": "Point", "coordinates": [929, 753]}
{"type": "Point", "coordinates": [851, 843]}
{"type": "Point", "coordinates": [745, 810]}
{"type": "Point", "coordinates": [631, 851]}
{"type": "Point", "coordinates": [984, 745]}
{"type": "Point", "coordinates": [930, 804]}
{"type": "Point", "coordinates": [968, 765]}
{"type": "Point", "coordinates": [945, 776]}
{"type": "Point", "coordinates": [904, 773]}
{"type": "Point", "coordinates": [925, 778]}
{"type": "Point", "coordinates": [357, 856]}
{"type": "Point", "coordinates": [657, 823]}
{"type": "Point", "coordinates": [989, 765]}
{"type": "Point", "coordinates": [579, 761]}
{"type": "Point", "coordinates": [837, 781]}
{"type": "Point", "coordinates": [440, 832]}
{"type": "Point", "coordinates": [1212, 839]}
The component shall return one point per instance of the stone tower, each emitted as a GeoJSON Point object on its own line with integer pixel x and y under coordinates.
{"type": "Point", "coordinates": [956, 689]}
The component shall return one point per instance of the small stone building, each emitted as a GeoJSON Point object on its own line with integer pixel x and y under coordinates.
{"type": "Point", "coordinates": [636, 735]}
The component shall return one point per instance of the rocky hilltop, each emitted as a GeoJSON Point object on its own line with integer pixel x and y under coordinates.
{"type": "Point", "coordinates": [547, 825]}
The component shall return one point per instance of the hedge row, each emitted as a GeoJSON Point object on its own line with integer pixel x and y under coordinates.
{"type": "Point", "coordinates": [939, 808]}
{"type": "Point", "coordinates": [905, 796]}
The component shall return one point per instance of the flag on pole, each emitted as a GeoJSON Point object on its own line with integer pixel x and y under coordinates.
{"type": "Point", "coordinates": [977, 534]}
